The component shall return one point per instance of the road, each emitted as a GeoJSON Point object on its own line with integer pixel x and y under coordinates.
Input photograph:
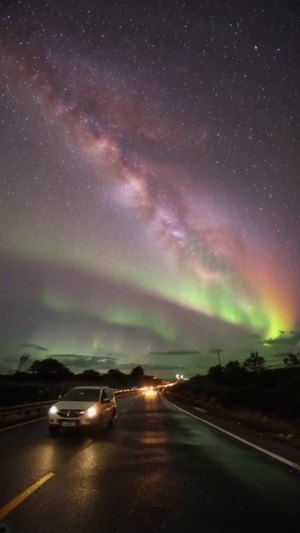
{"type": "Point", "coordinates": [157, 470]}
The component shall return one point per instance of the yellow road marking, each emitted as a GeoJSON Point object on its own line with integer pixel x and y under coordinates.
{"type": "Point", "coordinates": [23, 495]}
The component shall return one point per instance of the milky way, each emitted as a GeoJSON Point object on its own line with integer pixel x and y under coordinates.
{"type": "Point", "coordinates": [204, 209]}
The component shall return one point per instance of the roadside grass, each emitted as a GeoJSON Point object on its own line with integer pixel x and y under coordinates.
{"type": "Point", "coordinates": [287, 430]}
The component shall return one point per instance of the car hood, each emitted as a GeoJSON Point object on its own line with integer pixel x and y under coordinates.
{"type": "Point", "coordinates": [74, 405]}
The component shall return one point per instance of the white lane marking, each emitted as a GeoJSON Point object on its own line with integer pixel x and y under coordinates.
{"type": "Point", "coordinates": [296, 466]}
{"type": "Point", "coordinates": [23, 423]}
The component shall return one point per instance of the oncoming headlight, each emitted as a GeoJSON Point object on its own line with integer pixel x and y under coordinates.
{"type": "Point", "coordinates": [150, 393]}
{"type": "Point", "coordinates": [53, 410]}
{"type": "Point", "coordinates": [92, 412]}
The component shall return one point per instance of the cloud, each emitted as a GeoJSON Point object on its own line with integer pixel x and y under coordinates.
{"type": "Point", "coordinates": [148, 367]}
{"type": "Point", "coordinates": [36, 346]}
{"type": "Point", "coordinates": [176, 352]}
{"type": "Point", "coordinates": [87, 361]}
{"type": "Point", "coordinates": [286, 338]}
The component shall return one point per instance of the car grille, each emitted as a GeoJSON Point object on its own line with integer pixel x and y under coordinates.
{"type": "Point", "coordinates": [69, 413]}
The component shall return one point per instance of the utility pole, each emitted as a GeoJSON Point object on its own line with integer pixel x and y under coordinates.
{"type": "Point", "coordinates": [219, 350]}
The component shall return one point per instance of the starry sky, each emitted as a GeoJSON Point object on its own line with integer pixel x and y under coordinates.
{"type": "Point", "coordinates": [149, 191]}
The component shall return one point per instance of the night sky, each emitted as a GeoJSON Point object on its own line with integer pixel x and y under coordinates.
{"type": "Point", "coordinates": [150, 191]}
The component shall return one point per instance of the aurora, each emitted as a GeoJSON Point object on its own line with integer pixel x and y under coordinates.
{"type": "Point", "coordinates": [128, 230]}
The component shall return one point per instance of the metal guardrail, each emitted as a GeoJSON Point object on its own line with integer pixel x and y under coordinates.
{"type": "Point", "coordinates": [12, 408]}
{"type": "Point", "coordinates": [17, 413]}
{"type": "Point", "coordinates": [30, 410]}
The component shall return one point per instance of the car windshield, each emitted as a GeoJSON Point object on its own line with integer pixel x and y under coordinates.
{"type": "Point", "coordinates": [82, 395]}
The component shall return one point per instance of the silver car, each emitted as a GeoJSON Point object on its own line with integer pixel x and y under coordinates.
{"type": "Point", "coordinates": [83, 407]}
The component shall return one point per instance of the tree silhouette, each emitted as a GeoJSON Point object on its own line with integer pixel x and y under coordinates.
{"type": "Point", "coordinates": [234, 373]}
{"type": "Point", "coordinates": [90, 374]}
{"type": "Point", "coordinates": [233, 366]}
{"type": "Point", "coordinates": [215, 371]}
{"type": "Point", "coordinates": [116, 378]}
{"type": "Point", "coordinates": [23, 360]}
{"type": "Point", "coordinates": [254, 363]}
{"type": "Point", "coordinates": [50, 366]}
{"type": "Point", "coordinates": [292, 360]}
{"type": "Point", "coordinates": [136, 375]}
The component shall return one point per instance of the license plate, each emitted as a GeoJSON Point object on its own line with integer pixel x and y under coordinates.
{"type": "Point", "coordinates": [68, 423]}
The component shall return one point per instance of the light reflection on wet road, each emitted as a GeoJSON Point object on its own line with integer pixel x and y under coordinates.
{"type": "Point", "coordinates": [156, 470]}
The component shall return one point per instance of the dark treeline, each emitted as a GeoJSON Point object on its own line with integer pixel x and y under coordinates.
{"type": "Point", "coordinates": [48, 378]}
{"type": "Point", "coordinates": [248, 385]}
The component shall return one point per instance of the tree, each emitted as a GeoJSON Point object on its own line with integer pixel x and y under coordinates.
{"type": "Point", "coordinates": [234, 373]}
{"type": "Point", "coordinates": [254, 363]}
{"type": "Point", "coordinates": [23, 360]}
{"type": "Point", "coordinates": [90, 374]}
{"type": "Point", "coordinates": [115, 378]}
{"type": "Point", "coordinates": [48, 367]}
{"type": "Point", "coordinates": [136, 375]}
{"type": "Point", "coordinates": [215, 371]}
{"type": "Point", "coordinates": [292, 360]}
{"type": "Point", "coordinates": [233, 367]}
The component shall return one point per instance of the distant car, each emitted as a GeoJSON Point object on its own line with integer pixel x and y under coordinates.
{"type": "Point", "coordinates": [150, 392]}
{"type": "Point", "coordinates": [83, 407]}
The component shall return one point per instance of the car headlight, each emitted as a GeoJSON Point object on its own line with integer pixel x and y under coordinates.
{"type": "Point", "coordinates": [150, 393]}
{"type": "Point", "coordinates": [92, 412]}
{"type": "Point", "coordinates": [53, 410]}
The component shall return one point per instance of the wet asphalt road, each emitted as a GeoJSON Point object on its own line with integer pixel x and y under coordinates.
{"type": "Point", "coordinates": [156, 470]}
